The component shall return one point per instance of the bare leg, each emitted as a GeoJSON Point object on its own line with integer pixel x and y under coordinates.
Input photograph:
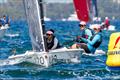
{"type": "Point", "coordinates": [74, 46]}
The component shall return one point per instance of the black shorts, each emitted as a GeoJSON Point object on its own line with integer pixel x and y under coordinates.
{"type": "Point", "coordinates": [84, 46]}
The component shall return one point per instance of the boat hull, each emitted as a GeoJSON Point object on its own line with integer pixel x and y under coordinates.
{"type": "Point", "coordinates": [47, 59]}
{"type": "Point", "coordinates": [110, 28]}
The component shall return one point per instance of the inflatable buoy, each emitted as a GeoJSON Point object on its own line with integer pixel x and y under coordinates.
{"type": "Point", "coordinates": [113, 55]}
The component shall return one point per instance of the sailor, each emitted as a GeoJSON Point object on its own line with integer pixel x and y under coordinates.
{"type": "Point", "coordinates": [90, 45]}
{"type": "Point", "coordinates": [6, 19]}
{"type": "Point", "coordinates": [107, 23]}
{"type": "Point", "coordinates": [52, 41]}
{"type": "Point", "coordinates": [2, 21]}
{"type": "Point", "coordinates": [86, 32]}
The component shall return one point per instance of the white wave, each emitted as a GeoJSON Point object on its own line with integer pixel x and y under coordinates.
{"type": "Point", "coordinates": [97, 53]}
{"type": "Point", "coordinates": [12, 35]}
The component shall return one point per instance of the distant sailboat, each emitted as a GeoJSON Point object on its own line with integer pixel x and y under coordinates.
{"type": "Point", "coordinates": [87, 11]}
{"type": "Point", "coordinates": [3, 31]}
{"type": "Point", "coordinates": [73, 17]}
{"type": "Point", "coordinates": [39, 54]}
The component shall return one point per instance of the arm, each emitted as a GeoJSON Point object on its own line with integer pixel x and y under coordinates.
{"type": "Point", "coordinates": [95, 39]}
{"type": "Point", "coordinates": [55, 43]}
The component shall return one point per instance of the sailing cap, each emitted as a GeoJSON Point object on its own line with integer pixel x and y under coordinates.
{"type": "Point", "coordinates": [96, 26]}
{"type": "Point", "coordinates": [82, 23]}
{"type": "Point", "coordinates": [49, 32]}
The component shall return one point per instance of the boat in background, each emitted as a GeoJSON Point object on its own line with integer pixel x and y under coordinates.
{"type": "Point", "coordinates": [110, 28]}
{"type": "Point", "coordinates": [3, 30]}
{"type": "Point", "coordinates": [73, 17]}
{"type": "Point", "coordinates": [47, 19]}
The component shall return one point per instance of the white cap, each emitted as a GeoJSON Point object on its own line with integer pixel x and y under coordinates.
{"type": "Point", "coordinates": [49, 32]}
{"type": "Point", "coordinates": [96, 26]}
{"type": "Point", "coordinates": [82, 23]}
{"type": "Point", "coordinates": [106, 18]}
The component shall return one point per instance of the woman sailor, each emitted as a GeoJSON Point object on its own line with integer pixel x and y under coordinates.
{"type": "Point", "coordinates": [52, 41]}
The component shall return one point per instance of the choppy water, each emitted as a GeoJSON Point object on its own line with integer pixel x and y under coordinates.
{"type": "Point", "coordinates": [91, 67]}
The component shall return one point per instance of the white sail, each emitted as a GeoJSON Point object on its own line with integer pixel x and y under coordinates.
{"type": "Point", "coordinates": [34, 15]}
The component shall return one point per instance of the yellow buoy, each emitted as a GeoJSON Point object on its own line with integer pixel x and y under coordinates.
{"type": "Point", "coordinates": [113, 55]}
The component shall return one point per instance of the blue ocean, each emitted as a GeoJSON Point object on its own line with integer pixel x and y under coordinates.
{"type": "Point", "coordinates": [92, 67]}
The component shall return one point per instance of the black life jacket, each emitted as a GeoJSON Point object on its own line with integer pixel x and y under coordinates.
{"type": "Point", "coordinates": [97, 44]}
{"type": "Point", "coordinates": [51, 44]}
{"type": "Point", "coordinates": [83, 33]}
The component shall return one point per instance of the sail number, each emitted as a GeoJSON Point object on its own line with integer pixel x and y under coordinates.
{"type": "Point", "coordinates": [39, 60]}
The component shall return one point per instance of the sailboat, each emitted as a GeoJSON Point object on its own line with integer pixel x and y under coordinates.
{"type": "Point", "coordinates": [87, 10]}
{"type": "Point", "coordinates": [82, 8]}
{"type": "Point", "coordinates": [3, 30]}
{"type": "Point", "coordinates": [39, 55]}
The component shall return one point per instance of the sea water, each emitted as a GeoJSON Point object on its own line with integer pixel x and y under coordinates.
{"type": "Point", "coordinates": [17, 41]}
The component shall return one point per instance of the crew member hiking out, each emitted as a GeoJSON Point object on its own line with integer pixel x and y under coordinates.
{"type": "Point", "coordinates": [90, 45]}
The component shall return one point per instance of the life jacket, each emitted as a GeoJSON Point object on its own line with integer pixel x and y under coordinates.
{"type": "Point", "coordinates": [7, 20]}
{"type": "Point", "coordinates": [86, 36]}
{"type": "Point", "coordinates": [51, 44]}
{"type": "Point", "coordinates": [107, 22]}
{"type": "Point", "coordinates": [97, 44]}
{"type": "Point", "coordinates": [2, 21]}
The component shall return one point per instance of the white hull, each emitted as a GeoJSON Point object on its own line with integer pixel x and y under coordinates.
{"type": "Point", "coordinates": [49, 58]}
{"type": "Point", "coordinates": [3, 30]}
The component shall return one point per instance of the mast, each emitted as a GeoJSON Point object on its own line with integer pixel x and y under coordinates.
{"type": "Point", "coordinates": [35, 19]}
{"type": "Point", "coordinates": [40, 2]}
{"type": "Point", "coordinates": [95, 9]}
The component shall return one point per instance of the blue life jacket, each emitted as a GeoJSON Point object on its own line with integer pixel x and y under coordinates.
{"type": "Point", "coordinates": [7, 20]}
{"type": "Point", "coordinates": [96, 44]}
{"type": "Point", "coordinates": [93, 45]}
{"type": "Point", "coordinates": [2, 22]}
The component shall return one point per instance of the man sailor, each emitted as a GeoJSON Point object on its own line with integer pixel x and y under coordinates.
{"type": "Point", "coordinates": [106, 23]}
{"type": "Point", "coordinates": [52, 41]}
{"type": "Point", "coordinates": [90, 45]}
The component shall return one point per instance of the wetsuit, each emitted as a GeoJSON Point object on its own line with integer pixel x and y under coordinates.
{"type": "Point", "coordinates": [93, 43]}
{"type": "Point", "coordinates": [53, 44]}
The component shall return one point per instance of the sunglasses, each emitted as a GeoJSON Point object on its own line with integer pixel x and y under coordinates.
{"type": "Point", "coordinates": [95, 29]}
{"type": "Point", "coordinates": [81, 25]}
{"type": "Point", "coordinates": [48, 34]}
